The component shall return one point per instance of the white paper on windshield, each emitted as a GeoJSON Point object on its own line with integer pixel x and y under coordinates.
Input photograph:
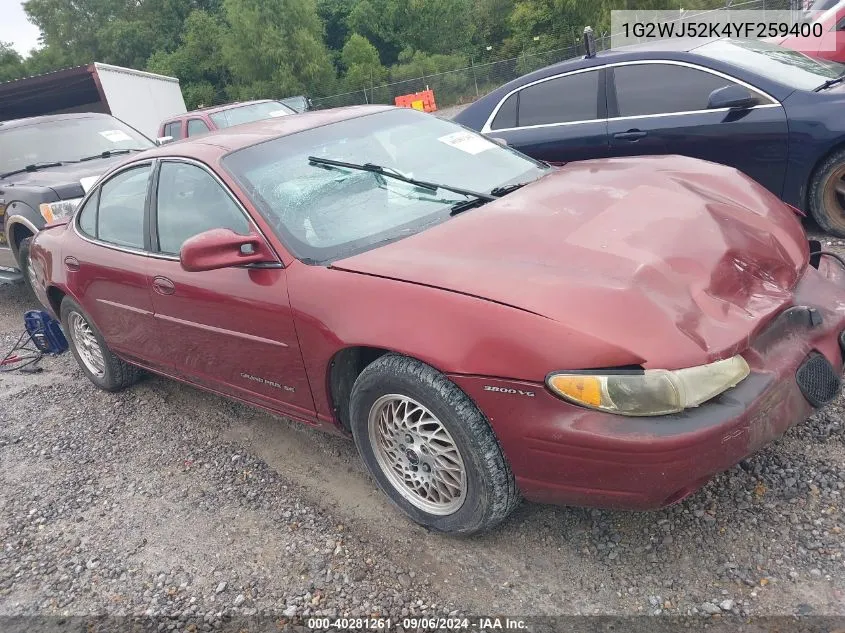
{"type": "Point", "coordinates": [88, 182]}
{"type": "Point", "coordinates": [467, 142]}
{"type": "Point", "coordinates": [115, 136]}
{"type": "Point", "coordinates": [276, 113]}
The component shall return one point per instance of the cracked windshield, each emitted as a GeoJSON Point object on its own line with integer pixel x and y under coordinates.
{"type": "Point", "coordinates": [326, 211]}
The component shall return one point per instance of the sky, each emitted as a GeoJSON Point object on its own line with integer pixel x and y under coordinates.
{"type": "Point", "coordinates": [16, 28]}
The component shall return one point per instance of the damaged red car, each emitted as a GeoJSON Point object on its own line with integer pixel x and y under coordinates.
{"type": "Point", "coordinates": [609, 333]}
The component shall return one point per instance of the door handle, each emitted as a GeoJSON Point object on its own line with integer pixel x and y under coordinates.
{"type": "Point", "coordinates": [71, 263]}
{"type": "Point", "coordinates": [630, 135]}
{"type": "Point", "coordinates": [163, 286]}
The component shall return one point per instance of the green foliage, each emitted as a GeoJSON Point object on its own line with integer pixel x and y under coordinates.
{"type": "Point", "coordinates": [11, 64]}
{"type": "Point", "coordinates": [223, 50]}
{"type": "Point", "coordinates": [275, 47]}
{"type": "Point", "coordinates": [197, 61]}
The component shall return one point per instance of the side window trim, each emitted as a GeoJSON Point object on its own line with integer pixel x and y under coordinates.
{"type": "Point", "coordinates": [612, 114]}
{"type": "Point", "coordinates": [155, 249]}
{"type": "Point", "coordinates": [96, 192]}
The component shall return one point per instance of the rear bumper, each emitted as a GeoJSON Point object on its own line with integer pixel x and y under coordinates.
{"type": "Point", "coordinates": [564, 454]}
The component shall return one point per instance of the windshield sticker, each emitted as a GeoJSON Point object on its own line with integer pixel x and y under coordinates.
{"type": "Point", "coordinates": [276, 113]}
{"type": "Point", "coordinates": [467, 142]}
{"type": "Point", "coordinates": [115, 136]}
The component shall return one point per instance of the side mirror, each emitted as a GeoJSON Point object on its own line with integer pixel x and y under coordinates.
{"type": "Point", "coordinates": [164, 140]}
{"type": "Point", "coordinates": [733, 97]}
{"type": "Point", "coordinates": [499, 140]}
{"type": "Point", "coordinates": [223, 248]}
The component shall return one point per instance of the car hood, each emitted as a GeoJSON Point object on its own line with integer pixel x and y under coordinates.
{"type": "Point", "coordinates": [670, 260]}
{"type": "Point", "coordinates": [67, 181]}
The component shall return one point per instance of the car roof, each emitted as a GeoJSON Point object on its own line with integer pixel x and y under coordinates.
{"type": "Point", "coordinates": [218, 108]}
{"type": "Point", "coordinates": [220, 142]}
{"type": "Point", "coordinates": [51, 117]}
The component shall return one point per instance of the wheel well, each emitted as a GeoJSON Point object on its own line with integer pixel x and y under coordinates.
{"type": "Point", "coordinates": [344, 369]}
{"type": "Point", "coordinates": [19, 234]}
{"type": "Point", "coordinates": [55, 296]}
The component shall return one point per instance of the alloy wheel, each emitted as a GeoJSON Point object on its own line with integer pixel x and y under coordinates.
{"type": "Point", "coordinates": [417, 454]}
{"type": "Point", "coordinates": [833, 197]}
{"type": "Point", "coordinates": [86, 344]}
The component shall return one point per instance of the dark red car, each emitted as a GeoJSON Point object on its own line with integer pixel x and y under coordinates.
{"type": "Point", "coordinates": [830, 44]}
{"type": "Point", "coordinates": [610, 333]}
{"type": "Point", "coordinates": [198, 122]}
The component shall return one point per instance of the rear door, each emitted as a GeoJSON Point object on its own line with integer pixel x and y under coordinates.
{"type": "Point", "coordinates": [230, 330]}
{"type": "Point", "coordinates": [661, 108]}
{"type": "Point", "coordinates": [557, 119]}
{"type": "Point", "coordinates": [107, 273]}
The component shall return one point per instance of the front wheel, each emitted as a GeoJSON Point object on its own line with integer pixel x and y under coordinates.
{"type": "Point", "coordinates": [827, 195]}
{"type": "Point", "coordinates": [429, 448]}
{"type": "Point", "coordinates": [25, 264]}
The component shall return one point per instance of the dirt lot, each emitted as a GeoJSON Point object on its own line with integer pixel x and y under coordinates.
{"type": "Point", "coordinates": [166, 500]}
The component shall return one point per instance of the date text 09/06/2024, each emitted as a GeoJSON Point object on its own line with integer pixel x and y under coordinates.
{"type": "Point", "coordinates": [422, 623]}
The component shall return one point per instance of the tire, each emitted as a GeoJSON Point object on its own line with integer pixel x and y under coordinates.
{"type": "Point", "coordinates": [826, 207]}
{"type": "Point", "coordinates": [24, 263]}
{"type": "Point", "coordinates": [112, 374]}
{"type": "Point", "coordinates": [487, 491]}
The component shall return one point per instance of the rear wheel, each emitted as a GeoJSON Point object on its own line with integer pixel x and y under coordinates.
{"type": "Point", "coordinates": [429, 448]}
{"type": "Point", "coordinates": [96, 360]}
{"type": "Point", "coordinates": [827, 194]}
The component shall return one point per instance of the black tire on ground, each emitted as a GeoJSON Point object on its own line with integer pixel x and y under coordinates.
{"type": "Point", "coordinates": [491, 492]}
{"type": "Point", "coordinates": [829, 215]}
{"type": "Point", "coordinates": [117, 374]}
{"type": "Point", "coordinates": [23, 262]}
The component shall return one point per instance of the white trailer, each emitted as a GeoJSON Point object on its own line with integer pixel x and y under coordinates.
{"type": "Point", "coordinates": [138, 98]}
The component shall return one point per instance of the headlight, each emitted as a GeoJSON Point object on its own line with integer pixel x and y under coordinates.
{"type": "Point", "coordinates": [651, 392]}
{"type": "Point", "coordinates": [52, 211]}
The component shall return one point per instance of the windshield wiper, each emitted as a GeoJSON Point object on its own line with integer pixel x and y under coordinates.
{"type": "Point", "coordinates": [831, 82]}
{"type": "Point", "coordinates": [33, 167]}
{"type": "Point", "coordinates": [389, 173]}
{"type": "Point", "coordinates": [108, 154]}
{"type": "Point", "coordinates": [506, 189]}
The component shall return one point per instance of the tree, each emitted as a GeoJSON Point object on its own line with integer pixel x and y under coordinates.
{"type": "Point", "coordinates": [275, 48]}
{"type": "Point", "coordinates": [382, 23]}
{"type": "Point", "coordinates": [11, 63]}
{"type": "Point", "coordinates": [361, 61]}
{"type": "Point", "coordinates": [198, 61]}
{"type": "Point", "coordinates": [438, 26]}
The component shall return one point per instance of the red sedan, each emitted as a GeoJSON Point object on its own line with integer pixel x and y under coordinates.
{"type": "Point", "coordinates": [610, 333]}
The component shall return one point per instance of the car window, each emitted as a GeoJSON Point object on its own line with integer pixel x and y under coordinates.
{"type": "Point", "coordinates": [120, 216]}
{"type": "Point", "coordinates": [776, 63]}
{"type": "Point", "coordinates": [506, 116]}
{"type": "Point", "coordinates": [65, 139]}
{"type": "Point", "coordinates": [190, 201]}
{"type": "Point", "coordinates": [561, 100]}
{"type": "Point", "coordinates": [324, 213]}
{"type": "Point", "coordinates": [88, 215]}
{"type": "Point", "coordinates": [197, 127]}
{"type": "Point", "coordinates": [249, 113]}
{"type": "Point", "coordinates": [172, 129]}
{"type": "Point", "coordinates": [663, 88]}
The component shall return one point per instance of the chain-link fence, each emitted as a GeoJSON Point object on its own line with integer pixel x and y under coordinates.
{"type": "Point", "coordinates": [464, 85]}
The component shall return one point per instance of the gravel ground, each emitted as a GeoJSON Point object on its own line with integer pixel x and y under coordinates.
{"type": "Point", "coordinates": [164, 500]}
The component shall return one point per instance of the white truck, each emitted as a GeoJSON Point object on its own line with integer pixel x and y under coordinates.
{"type": "Point", "coordinates": [138, 98]}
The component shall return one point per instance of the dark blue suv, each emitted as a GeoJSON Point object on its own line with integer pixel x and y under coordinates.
{"type": "Point", "coordinates": [773, 113]}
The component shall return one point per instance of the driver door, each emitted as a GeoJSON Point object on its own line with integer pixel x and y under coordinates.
{"type": "Point", "coordinates": [230, 330]}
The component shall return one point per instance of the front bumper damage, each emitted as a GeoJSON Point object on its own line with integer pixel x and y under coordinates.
{"type": "Point", "coordinates": [564, 454]}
